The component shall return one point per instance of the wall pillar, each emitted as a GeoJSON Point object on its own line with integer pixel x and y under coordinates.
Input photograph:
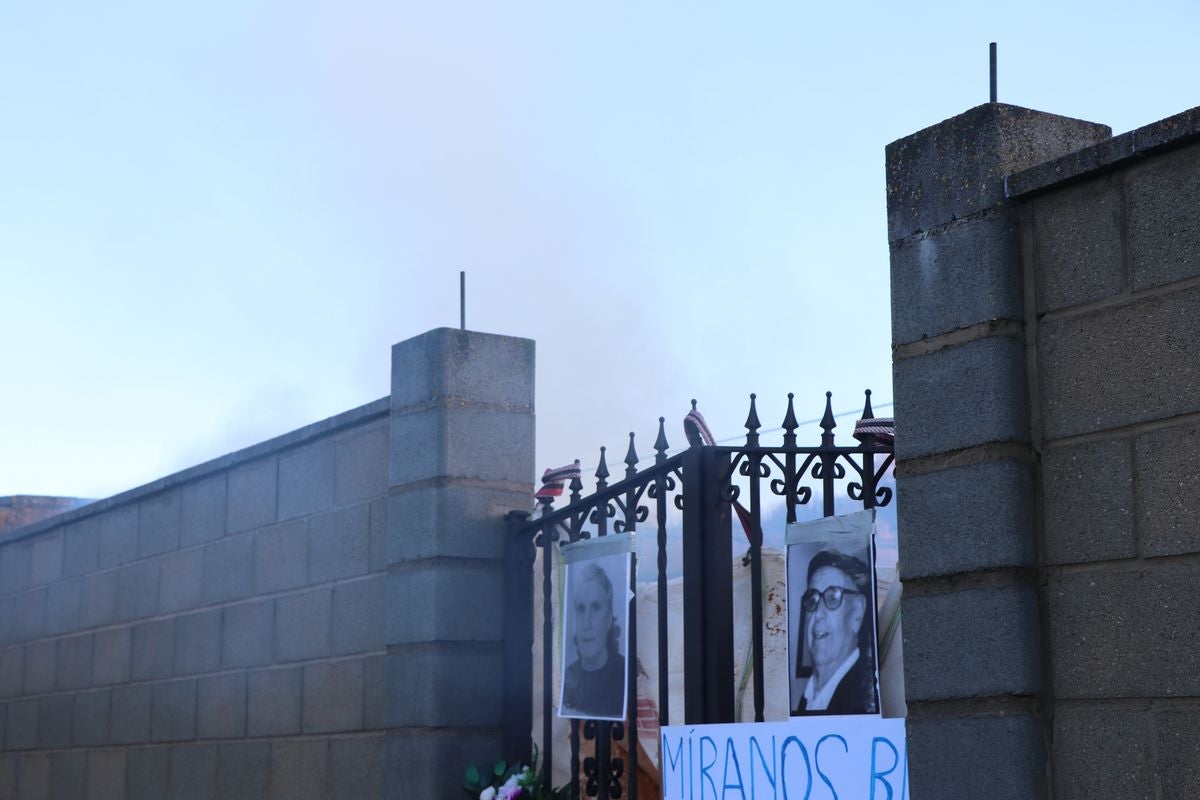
{"type": "Point", "coordinates": [972, 626]}
{"type": "Point", "coordinates": [461, 457]}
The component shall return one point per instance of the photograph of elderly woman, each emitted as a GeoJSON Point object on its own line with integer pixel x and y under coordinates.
{"type": "Point", "coordinates": [831, 631]}
{"type": "Point", "coordinates": [594, 638]}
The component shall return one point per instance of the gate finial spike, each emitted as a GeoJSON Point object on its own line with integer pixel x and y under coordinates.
{"type": "Point", "coordinates": [867, 412]}
{"type": "Point", "coordinates": [602, 471]}
{"type": "Point", "coordinates": [660, 444]}
{"type": "Point", "coordinates": [576, 485]}
{"type": "Point", "coordinates": [790, 424]}
{"type": "Point", "coordinates": [752, 423]}
{"type": "Point", "coordinates": [827, 422]}
{"type": "Point", "coordinates": [631, 459]}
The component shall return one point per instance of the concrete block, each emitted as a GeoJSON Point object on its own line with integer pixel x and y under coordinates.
{"type": "Point", "coordinates": [957, 167]}
{"type": "Point", "coordinates": [251, 499]}
{"type": "Point", "coordinates": [965, 519]}
{"type": "Point", "coordinates": [247, 636]}
{"type": "Point", "coordinates": [1087, 498]}
{"type": "Point", "coordinates": [428, 603]}
{"type": "Point", "coordinates": [153, 649]}
{"type": "Point", "coordinates": [16, 566]}
{"type": "Point", "coordinates": [34, 780]}
{"type": "Point", "coordinates": [375, 692]}
{"type": "Point", "coordinates": [81, 548]}
{"type": "Point", "coordinates": [339, 544]}
{"type": "Point", "coordinates": [359, 615]}
{"type": "Point", "coordinates": [306, 477]}
{"type": "Point", "coordinates": [333, 696]}
{"type": "Point", "coordinates": [137, 590]}
{"type": "Point", "coordinates": [273, 702]}
{"type": "Point", "coordinates": [961, 396]}
{"type": "Point", "coordinates": [1133, 341]}
{"type": "Point", "coordinates": [12, 671]}
{"type": "Point", "coordinates": [1102, 752]}
{"type": "Point", "coordinates": [954, 278]}
{"type": "Point", "coordinates": [68, 775]}
{"type": "Point", "coordinates": [461, 441]}
{"type": "Point", "coordinates": [193, 772]}
{"type": "Point", "coordinates": [118, 536]}
{"type": "Point", "coordinates": [62, 606]}
{"type": "Point", "coordinates": [946, 657]}
{"type": "Point", "coordinates": [462, 686]}
{"type": "Point", "coordinates": [243, 770]}
{"type": "Point", "coordinates": [74, 662]}
{"type": "Point", "coordinates": [421, 517]}
{"type": "Point", "coordinates": [356, 766]}
{"type": "Point", "coordinates": [181, 581]}
{"type": "Point", "coordinates": [361, 464]}
{"type": "Point", "coordinates": [173, 711]}
{"type": "Point", "coordinates": [1166, 476]}
{"type": "Point", "coordinates": [56, 713]}
{"type": "Point", "coordinates": [222, 706]}
{"type": "Point", "coordinates": [1077, 249]}
{"type": "Point", "coordinates": [298, 770]}
{"type": "Point", "coordinates": [429, 765]}
{"type": "Point", "coordinates": [9, 770]}
{"type": "Point", "coordinates": [41, 666]}
{"type": "Point", "coordinates": [1124, 632]}
{"type": "Point", "coordinates": [198, 642]}
{"type": "Point", "coordinates": [21, 725]}
{"type": "Point", "coordinates": [228, 569]}
{"type": "Point", "coordinates": [112, 652]}
{"type": "Point", "coordinates": [98, 604]}
{"type": "Point", "coordinates": [46, 561]}
{"type": "Point", "coordinates": [93, 710]}
{"type": "Point", "coordinates": [994, 756]}
{"type": "Point", "coordinates": [131, 714]}
{"type": "Point", "coordinates": [1164, 232]}
{"type": "Point", "coordinates": [302, 625]}
{"type": "Point", "coordinates": [379, 535]}
{"type": "Point", "coordinates": [160, 518]}
{"type": "Point", "coordinates": [281, 557]}
{"type": "Point", "coordinates": [29, 609]}
{"type": "Point", "coordinates": [146, 774]}
{"type": "Point", "coordinates": [1178, 757]}
{"type": "Point", "coordinates": [203, 511]}
{"type": "Point", "coordinates": [451, 363]}
{"type": "Point", "coordinates": [106, 775]}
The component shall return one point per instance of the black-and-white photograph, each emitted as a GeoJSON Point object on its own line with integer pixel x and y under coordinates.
{"type": "Point", "coordinates": [595, 630]}
{"type": "Point", "coordinates": [831, 616]}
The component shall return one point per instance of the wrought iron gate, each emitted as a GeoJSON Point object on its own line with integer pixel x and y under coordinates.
{"type": "Point", "coordinates": [702, 483]}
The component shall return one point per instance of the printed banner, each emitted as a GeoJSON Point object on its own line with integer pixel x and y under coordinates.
{"type": "Point", "coordinates": [851, 758]}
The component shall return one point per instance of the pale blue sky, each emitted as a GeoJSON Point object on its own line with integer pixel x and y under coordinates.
{"type": "Point", "coordinates": [215, 220]}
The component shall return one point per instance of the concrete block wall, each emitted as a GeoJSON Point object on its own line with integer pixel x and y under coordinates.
{"type": "Point", "coordinates": [462, 437]}
{"type": "Point", "coordinates": [1045, 285]}
{"type": "Point", "coordinates": [316, 616]}
{"type": "Point", "coordinates": [972, 640]}
{"type": "Point", "coordinates": [188, 638]}
{"type": "Point", "coordinates": [1114, 256]}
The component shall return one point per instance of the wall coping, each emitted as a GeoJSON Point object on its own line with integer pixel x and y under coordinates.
{"type": "Point", "coordinates": [376, 409]}
{"type": "Point", "coordinates": [1174, 131]}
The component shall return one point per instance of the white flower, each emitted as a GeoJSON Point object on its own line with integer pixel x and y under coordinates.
{"type": "Point", "coordinates": [488, 794]}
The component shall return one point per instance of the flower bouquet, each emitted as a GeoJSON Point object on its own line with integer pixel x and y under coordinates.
{"type": "Point", "coordinates": [516, 782]}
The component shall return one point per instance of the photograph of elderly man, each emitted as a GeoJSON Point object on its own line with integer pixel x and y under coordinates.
{"type": "Point", "coordinates": [594, 679]}
{"type": "Point", "coordinates": [838, 637]}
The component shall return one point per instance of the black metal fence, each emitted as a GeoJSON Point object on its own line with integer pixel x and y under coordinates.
{"type": "Point", "coordinates": [706, 483]}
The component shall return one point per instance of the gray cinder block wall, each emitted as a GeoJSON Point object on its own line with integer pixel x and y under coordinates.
{"type": "Point", "coordinates": [223, 632]}
{"type": "Point", "coordinates": [1045, 281]}
{"type": "Point", "coordinates": [461, 457]}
